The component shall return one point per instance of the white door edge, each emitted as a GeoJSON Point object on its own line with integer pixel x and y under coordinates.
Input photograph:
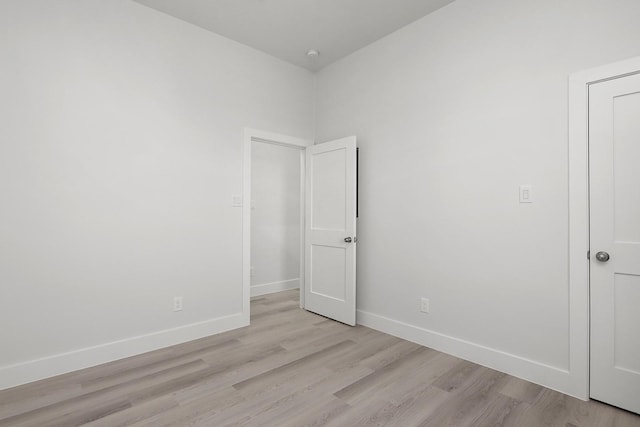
{"type": "Point", "coordinates": [252, 136]}
{"type": "Point", "coordinates": [579, 218]}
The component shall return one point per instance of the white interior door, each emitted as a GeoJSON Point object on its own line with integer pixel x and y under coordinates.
{"type": "Point", "coordinates": [614, 169]}
{"type": "Point", "coordinates": [330, 230]}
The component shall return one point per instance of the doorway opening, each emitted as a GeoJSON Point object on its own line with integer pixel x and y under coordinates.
{"type": "Point", "coordinates": [273, 223]}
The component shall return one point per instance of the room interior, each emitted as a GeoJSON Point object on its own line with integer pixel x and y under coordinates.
{"type": "Point", "coordinates": [121, 162]}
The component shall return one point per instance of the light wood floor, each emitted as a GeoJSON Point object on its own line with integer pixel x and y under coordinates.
{"type": "Point", "coordinates": [294, 368]}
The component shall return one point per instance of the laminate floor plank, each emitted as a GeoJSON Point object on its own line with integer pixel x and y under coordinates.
{"type": "Point", "coordinates": [317, 414]}
{"type": "Point", "coordinates": [90, 406]}
{"type": "Point", "coordinates": [189, 412]}
{"type": "Point", "coordinates": [293, 368]}
{"type": "Point", "coordinates": [389, 355]}
{"type": "Point", "coordinates": [281, 401]}
{"type": "Point", "coordinates": [468, 402]}
{"type": "Point", "coordinates": [162, 365]}
{"type": "Point", "coordinates": [501, 411]}
{"type": "Point", "coordinates": [416, 406]}
{"type": "Point", "coordinates": [297, 399]}
{"type": "Point", "coordinates": [409, 384]}
{"type": "Point", "coordinates": [11, 406]}
{"type": "Point", "coordinates": [369, 347]}
{"type": "Point", "coordinates": [33, 396]}
{"type": "Point", "coordinates": [522, 390]}
{"type": "Point", "coordinates": [458, 376]}
{"type": "Point", "coordinates": [370, 385]}
{"type": "Point", "coordinates": [135, 413]}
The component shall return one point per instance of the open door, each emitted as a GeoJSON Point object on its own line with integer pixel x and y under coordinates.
{"type": "Point", "coordinates": [614, 156]}
{"type": "Point", "coordinates": [330, 230]}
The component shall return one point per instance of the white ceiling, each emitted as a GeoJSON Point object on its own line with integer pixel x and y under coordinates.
{"type": "Point", "coordinates": [287, 29]}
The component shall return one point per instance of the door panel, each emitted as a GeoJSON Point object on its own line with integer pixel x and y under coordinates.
{"type": "Point", "coordinates": [614, 170]}
{"type": "Point", "coordinates": [328, 277]}
{"type": "Point", "coordinates": [627, 146]}
{"type": "Point", "coordinates": [627, 345]}
{"type": "Point", "coordinates": [328, 196]}
{"type": "Point", "coordinates": [330, 261]}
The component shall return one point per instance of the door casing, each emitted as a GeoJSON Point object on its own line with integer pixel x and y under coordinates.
{"type": "Point", "coordinates": [579, 346]}
{"type": "Point", "coordinates": [252, 136]}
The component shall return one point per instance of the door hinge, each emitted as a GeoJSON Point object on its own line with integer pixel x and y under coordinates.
{"type": "Point", "coordinates": [589, 255]}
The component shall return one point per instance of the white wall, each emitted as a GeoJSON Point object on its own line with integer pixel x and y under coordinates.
{"type": "Point", "coordinates": [275, 218]}
{"type": "Point", "coordinates": [453, 113]}
{"type": "Point", "coordinates": [120, 150]}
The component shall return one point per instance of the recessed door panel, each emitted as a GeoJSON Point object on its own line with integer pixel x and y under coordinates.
{"type": "Point", "coordinates": [626, 301]}
{"type": "Point", "coordinates": [626, 128]}
{"type": "Point", "coordinates": [328, 192]}
{"type": "Point", "coordinates": [328, 273]}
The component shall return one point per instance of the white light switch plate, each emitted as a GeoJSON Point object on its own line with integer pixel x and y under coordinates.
{"type": "Point", "coordinates": [526, 196]}
{"type": "Point", "coordinates": [236, 201]}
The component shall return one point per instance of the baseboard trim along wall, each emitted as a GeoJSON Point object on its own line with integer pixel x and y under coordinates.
{"type": "Point", "coordinates": [269, 288]}
{"type": "Point", "coordinates": [548, 376]}
{"type": "Point", "coordinates": [34, 370]}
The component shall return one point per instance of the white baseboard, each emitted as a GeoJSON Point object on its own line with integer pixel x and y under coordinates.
{"type": "Point", "coordinates": [33, 370]}
{"type": "Point", "coordinates": [269, 288]}
{"type": "Point", "coordinates": [548, 376]}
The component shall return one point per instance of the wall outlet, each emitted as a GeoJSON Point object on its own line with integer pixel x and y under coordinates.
{"type": "Point", "coordinates": [424, 305]}
{"type": "Point", "coordinates": [253, 271]}
{"type": "Point", "coordinates": [177, 304]}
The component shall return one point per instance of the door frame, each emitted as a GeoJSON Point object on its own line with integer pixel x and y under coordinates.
{"type": "Point", "coordinates": [252, 136]}
{"type": "Point", "coordinates": [579, 345]}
